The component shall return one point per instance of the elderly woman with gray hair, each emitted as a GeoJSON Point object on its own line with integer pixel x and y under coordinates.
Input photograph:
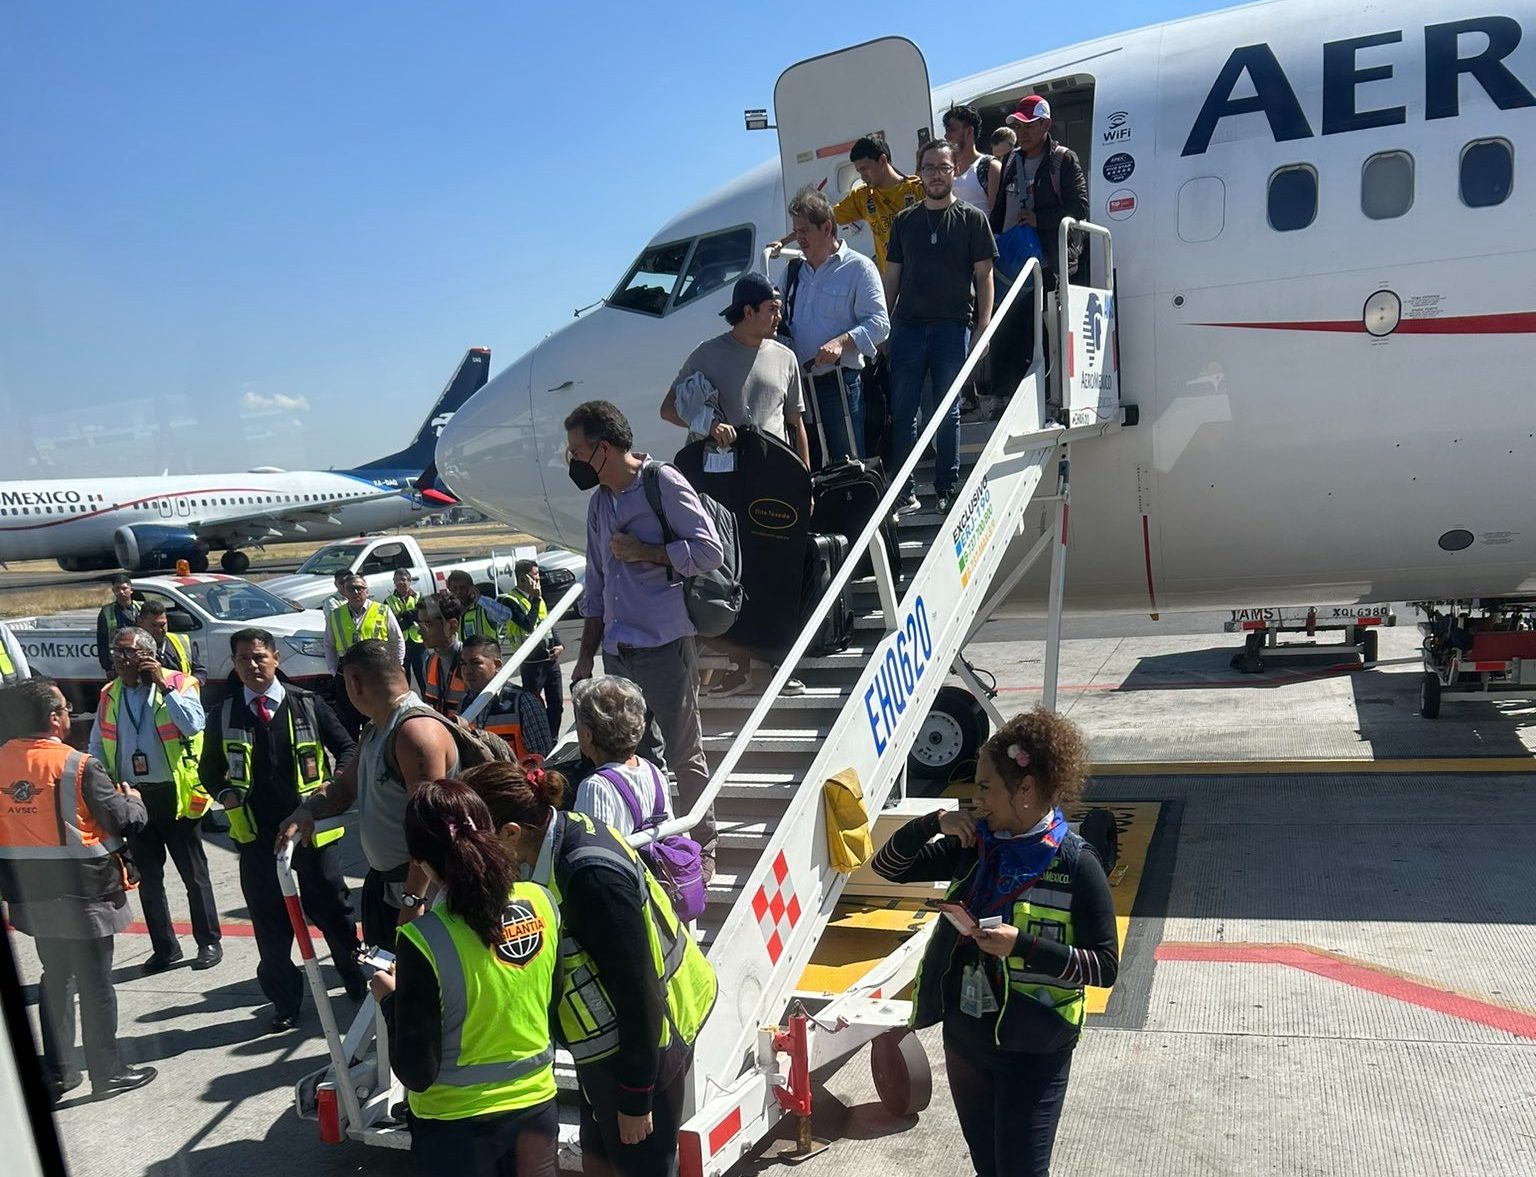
{"type": "Point", "coordinates": [625, 791]}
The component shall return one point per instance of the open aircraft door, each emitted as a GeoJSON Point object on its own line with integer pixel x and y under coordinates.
{"type": "Point", "coordinates": [822, 105]}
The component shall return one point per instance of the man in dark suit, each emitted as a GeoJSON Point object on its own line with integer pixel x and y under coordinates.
{"type": "Point", "coordinates": [119, 613]}
{"type": "Point", "coordinates": [267, 746]}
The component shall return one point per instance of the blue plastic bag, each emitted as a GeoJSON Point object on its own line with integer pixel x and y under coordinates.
{"type": "Point", "coordinates": [1014, 249]}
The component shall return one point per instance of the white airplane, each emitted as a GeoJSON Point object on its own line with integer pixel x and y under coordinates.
{"type": "Point", "coordinates": [143, 524]}
{"type": "Point", "coordinates": [1324, 302]}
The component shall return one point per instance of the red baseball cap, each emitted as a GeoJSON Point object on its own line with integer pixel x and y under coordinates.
{"type": "Point", "coordinates": [1031, 109]}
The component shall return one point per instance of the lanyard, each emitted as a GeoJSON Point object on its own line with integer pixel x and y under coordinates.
{"type": "Point", "coordinates": [147, 707]}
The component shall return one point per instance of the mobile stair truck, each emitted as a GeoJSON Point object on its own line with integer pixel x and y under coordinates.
{"type": "Point", "coordinates": [775, 895]}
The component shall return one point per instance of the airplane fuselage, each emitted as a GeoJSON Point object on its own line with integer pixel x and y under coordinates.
{"type": "Point", "coordinates": [1324, 305]}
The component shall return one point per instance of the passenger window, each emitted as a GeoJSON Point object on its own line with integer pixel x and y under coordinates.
{"type": "Point", "coordinates": [716, 261]}
{"type": "Point", "coordinates": [1202, 209]}
{"type": "Point", "coordinates": [650, 281]}
{"type": "Point", "coordinates": [1292, 198]}
{"type": "Point", "coordinates": [1487, 173]}
{"type": "Point", "coordinates": [1386, 185]}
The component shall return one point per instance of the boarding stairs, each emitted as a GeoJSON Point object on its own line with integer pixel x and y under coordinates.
{"type": "Point", "coordinates": [775, 893]}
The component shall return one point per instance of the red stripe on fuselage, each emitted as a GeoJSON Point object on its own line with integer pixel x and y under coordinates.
{"type": "Point", "coordinates": [180, 494]}
{"type": "Point", "coordinates": [1508, 323]}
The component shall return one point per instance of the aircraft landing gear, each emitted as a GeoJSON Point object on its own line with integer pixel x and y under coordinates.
{"type": "Point", "coordinates": [235, 563]}
{"type": "Point", "coordinates": [198, 562]}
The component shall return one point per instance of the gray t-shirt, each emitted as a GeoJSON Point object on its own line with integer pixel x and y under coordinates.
{"type": "Point", "coordinates": [936, 252]}
{"type": "Point", "coordinates": [758, 386]}
{"type": "Point", "coordinates": [381, 792]}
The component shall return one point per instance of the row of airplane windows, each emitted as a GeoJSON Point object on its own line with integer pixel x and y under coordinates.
{"type": "Point", "coordinates": [167, 504]}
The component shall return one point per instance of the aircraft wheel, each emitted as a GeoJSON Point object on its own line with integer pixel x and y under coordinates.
{"type": "Point", "coordinates": [1429, 695]}
{"type": "Point", "coordinates": [1369, 646]}
{"type": "Point", "coordinates": [903, 1077]}
{"type": "Point", "coordinates": [235, 563]}
{"type": "Point", "coordinates": [951, 734]}
{"type": "Point", "coordinates": [198, 562]}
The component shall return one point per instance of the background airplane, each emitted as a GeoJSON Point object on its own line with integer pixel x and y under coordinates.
{"type": "Point", "coordinates": [142, 524]}
{"type": "Point", "coordinates": [1324, 306]}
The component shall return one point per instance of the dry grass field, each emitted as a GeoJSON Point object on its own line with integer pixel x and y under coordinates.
{"type": "Point", "coordinates": [467, 539]}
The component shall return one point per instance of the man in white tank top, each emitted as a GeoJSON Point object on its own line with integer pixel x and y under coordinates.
{"type": "Point", "coordinates": [974, 184]}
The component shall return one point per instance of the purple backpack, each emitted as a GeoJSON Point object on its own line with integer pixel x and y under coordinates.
{"type": "Point", "coordinates": [675, 860]}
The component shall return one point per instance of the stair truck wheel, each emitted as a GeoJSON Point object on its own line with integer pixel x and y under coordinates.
{"type": "Point", "coordinates": [951, 734]}
{"type": "Point", "coordinates": [234, 562]}
{"type": "Point", "coordinates": [1369, 646]}
{"type": "Point", "coordinates": [1429, 695]}
{"type": "Point", "coordinates": [903, 1078]}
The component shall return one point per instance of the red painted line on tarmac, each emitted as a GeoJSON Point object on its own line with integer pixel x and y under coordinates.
{"type": "Point", "coordinates": [1358, 974]}
{"type": "Point", "coordinates": [183, 928]}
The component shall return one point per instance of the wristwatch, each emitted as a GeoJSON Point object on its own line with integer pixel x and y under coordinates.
{"type": "Point", "coordinates": [411, 899]}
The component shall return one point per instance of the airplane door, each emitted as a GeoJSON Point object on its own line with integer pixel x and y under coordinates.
{"type": "Point", "coordinates": [183, 507]}
{"type": "Point", "coordinates": [822, 105]}
{"type": "Point", "coordinates": [164, 506]}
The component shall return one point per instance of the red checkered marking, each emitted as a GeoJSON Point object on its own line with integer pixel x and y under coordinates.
{"type": "Point", "coordinates": [777, 908]}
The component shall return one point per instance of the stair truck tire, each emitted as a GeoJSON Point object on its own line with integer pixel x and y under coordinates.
{"type": "Point", "coordinates": [1370, 645]}
{"type": "Point", "coordinates": [951, 734]}
{"type": "Point", "coordinates": [902, 1074]}
{"type": "Point", "coordinates": [1429, 695]}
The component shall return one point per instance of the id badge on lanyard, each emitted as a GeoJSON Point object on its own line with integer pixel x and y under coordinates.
{"type": "Point", "coordinates": [140, 762]}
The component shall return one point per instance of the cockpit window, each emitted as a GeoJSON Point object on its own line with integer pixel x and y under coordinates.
{"type": "Point", "coordinates": [650, 281]}
{"type": "Point", "coordinates": [668, 276]}
{"type": "Point", "coordinates": [716, 261]}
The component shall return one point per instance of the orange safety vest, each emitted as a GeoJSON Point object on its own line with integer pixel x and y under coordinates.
{"type": "Point", "coordinates": [445, 688]}
{"type": "Point", "coordinates": [508, 726]}
{"type": "Point", "coordinates": [48, 837]}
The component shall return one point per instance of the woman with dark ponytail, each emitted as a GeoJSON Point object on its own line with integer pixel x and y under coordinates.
{"type": "Point", "coordinates": [637, 988]}
{"type": "Point", "coordinates": [470, 998]}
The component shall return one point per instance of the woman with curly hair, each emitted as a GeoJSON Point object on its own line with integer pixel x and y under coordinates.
{"type": "Point", "coordinates": [1028, 922]}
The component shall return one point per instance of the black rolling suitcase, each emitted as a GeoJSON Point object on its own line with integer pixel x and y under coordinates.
{"type": "Point", "coordinates": [825, 555]}
{"type": "Point", "coordinates": [847, 492]}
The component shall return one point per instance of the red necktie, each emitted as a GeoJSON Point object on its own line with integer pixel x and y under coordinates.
{"type": "Point", "coordinates": [263, 707]}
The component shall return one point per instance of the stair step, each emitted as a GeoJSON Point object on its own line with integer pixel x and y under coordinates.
{"type": "Point", "coordinates": [814, 699]}
{"type": "Point", "coordinates": [771, 739]}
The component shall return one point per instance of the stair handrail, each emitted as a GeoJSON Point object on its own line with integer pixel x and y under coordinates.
{"type": "Point", "coordinates": [895, 489]}
{"type": "Point", "coordinates": [531, 643]}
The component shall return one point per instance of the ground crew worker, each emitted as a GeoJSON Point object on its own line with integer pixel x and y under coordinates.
{"type": "Point", "coordinates": [515, 714]}
{"type": "Point", "coordinates": [438, 616]}
{"type": "Point", "coordinates": [119, 613]}
{"type": "Point", "coordinates": [267, 747]}
{"type": "Point", "coordinates": [64, 884]}
{"type": "Point", "coordinates": [149, 733]}
{"type": "Point", "coordinates": [478, 614]}
{"type": "Point", "coordinates": [638, 988]}
{"type": "Point", "coordinates": [13, 659]}
{"type": "Point", "coordinates": [402, 603]}
{"type": "Point", "coordinates": [174, 650]}
{"type": "Point", "coordinates": [541, 669]}
{"type": "Point", "coordinates": [1010, 994]}
{"type": "Point", "coordinates": [404, 746]}
{"type": "Point", "coordinates": [471, 999]}
{"type": "Point", "coordinates": [357, 619]}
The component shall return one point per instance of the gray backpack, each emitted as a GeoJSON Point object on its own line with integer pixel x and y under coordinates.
{"type": "Point", "coordinates": [714, 599]}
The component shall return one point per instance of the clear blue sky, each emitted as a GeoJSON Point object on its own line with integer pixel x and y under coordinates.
{"type": "Point", "coordinates": [280, 225]}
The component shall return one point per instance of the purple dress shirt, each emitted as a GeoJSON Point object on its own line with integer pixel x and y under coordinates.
{"type": "Point", "coordinates": [640, 604]}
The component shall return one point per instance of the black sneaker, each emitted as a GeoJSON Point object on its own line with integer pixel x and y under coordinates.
{"type": "Point", "coordinates": [735, 682]}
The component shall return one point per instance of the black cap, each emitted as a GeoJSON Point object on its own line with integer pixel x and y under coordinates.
{"type": "Point", "coordinates": [751, 290]}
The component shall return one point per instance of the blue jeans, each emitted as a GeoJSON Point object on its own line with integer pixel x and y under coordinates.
{"type": "Point", "coordinates": [829, 411]}
{"type": "Point", "coordinates": [935, 352]}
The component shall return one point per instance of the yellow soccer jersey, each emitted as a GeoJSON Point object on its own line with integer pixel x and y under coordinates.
{"type": "Point", "coordinates": [878, 206]}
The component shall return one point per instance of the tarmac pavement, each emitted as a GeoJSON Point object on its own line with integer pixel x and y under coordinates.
{"type": "Point", "coordinates": [1328, 969]}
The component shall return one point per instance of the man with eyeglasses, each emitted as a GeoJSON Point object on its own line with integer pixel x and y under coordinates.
{"type": "Point", "coordinates": [149, 734]}
{"type": "Point", "coordinates": [357, 619]}
{"type": "Point", "coordinates": [938, 280]}
{"type": "Point", "coordinates": [65, 884]}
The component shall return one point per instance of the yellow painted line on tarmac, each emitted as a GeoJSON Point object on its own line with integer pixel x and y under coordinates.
{"type": "Point", "coordinates": [860, 935]}
{"type": "Point", "coordinates": [1446, 764]}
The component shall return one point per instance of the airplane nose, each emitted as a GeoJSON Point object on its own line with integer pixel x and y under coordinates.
{"type": "Point", "coordinates": [488, 454]}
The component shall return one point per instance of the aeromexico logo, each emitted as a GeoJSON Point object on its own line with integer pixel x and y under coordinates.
{"type": "Point", "coordinates": [1093, 325]}
{"type": "Point", "coordinates": [439, 423]}
{"type": "Point", "coordinates": [46, 498]}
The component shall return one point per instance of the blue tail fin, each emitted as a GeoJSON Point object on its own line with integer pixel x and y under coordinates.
{"type": "Point", "coordinates": [470, 377]}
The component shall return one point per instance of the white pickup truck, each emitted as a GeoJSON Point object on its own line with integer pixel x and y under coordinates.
{"type": "Point", "coordinates": [377, 557]}
{"type": "Point", "coordinates": [207, 609]}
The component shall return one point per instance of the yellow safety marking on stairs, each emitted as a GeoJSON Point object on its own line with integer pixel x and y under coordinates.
{"type": "Point", "coordinates": [861, 934]}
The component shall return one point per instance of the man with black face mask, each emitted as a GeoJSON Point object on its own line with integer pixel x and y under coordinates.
{"type": "Point", "coordinates": [633, 601]}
